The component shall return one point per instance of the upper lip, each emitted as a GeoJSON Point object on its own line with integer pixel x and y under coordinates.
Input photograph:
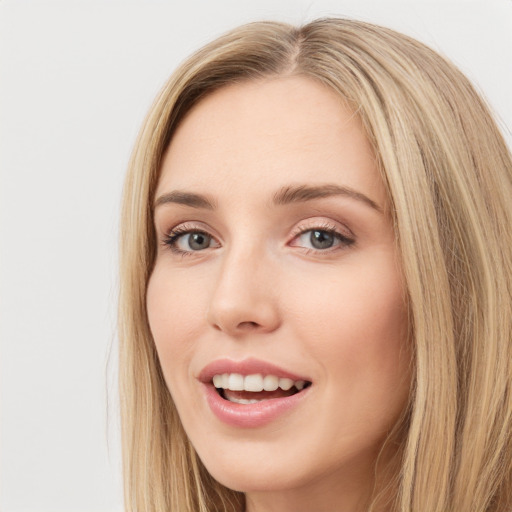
{"type": "Point", "coordinates": [244, 367]}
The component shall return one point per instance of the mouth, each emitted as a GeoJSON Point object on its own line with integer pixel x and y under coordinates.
{"type": "Point", "coordinates": [252, 393]}
{"type": "Point", "coordinates": [255, 388]}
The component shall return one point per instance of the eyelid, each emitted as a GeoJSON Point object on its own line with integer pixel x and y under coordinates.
{"type": "Point", "coordinates": [171, 236]}
{"type": "Point", "coordinates": [321, 223]}
{"type": "Point", "coordinates": [344, 236]}
{"type": "Point", "coordinates": [188, 226]}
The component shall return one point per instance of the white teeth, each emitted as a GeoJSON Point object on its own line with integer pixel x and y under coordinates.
{"type": "Point", "coordinates": [285, 384]}
{"type": "Point", "coordinates": [300, 384]}
{"type": "Point", "coordinates": [255, 382]}
{"type": "Point", "coordinates": [243, 400]}
{"type": "Point", "coordinates": [236, 382]}
{"type": "Point", "coordinates": [270, 383]}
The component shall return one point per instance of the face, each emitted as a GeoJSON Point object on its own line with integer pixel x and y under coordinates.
{"type": "Point", "coordinates": [277, 268]}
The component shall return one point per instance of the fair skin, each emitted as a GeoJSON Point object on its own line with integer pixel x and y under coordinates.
{"type": "Point", "coordinates": [308, 282]}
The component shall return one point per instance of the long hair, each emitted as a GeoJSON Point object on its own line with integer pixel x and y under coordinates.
{"type": "Point", "coordinates": [448, 175]}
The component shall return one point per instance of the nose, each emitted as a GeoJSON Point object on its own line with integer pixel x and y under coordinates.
{"type": "Point", "coordinates": [244, 299]}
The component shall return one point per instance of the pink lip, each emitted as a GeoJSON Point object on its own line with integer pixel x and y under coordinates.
{"type": "Point", "coordinates": [248, 415]}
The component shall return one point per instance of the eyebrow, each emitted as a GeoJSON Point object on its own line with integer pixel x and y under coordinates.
{"type": "Point", "coordinates": [187, 199]}
{"type": "Point", "coordinates": [302, 193]}
{"type": "Point", "coordinates": [285, 195]}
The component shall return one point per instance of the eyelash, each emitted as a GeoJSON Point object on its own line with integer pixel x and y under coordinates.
{"type": "Point", "coordinates": [343, 240]}
{"type": "Point", "coordinates": [171, 239]}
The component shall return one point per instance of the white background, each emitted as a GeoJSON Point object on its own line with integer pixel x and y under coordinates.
{"type": "Point", "coordinates": [76, 79]}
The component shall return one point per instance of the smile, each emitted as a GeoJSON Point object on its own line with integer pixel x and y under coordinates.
{"type": "Point", "coordinates": [255, 388]}
{"type": "Point", "coordinates": [251, 393]}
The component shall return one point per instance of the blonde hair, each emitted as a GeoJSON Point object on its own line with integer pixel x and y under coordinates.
{"type": "Point", "coordinates": [449, 178]}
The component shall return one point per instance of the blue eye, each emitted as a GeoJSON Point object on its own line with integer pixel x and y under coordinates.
{"type": "Point", "coordinates": [186, 241]}
{"type": "Point", "coordinates": [321, 239]}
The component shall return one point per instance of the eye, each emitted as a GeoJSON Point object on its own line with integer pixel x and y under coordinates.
{"type": "Point", "coordinates": [182, 240]}
{"type": "Point", "coordinates": [321, 239]}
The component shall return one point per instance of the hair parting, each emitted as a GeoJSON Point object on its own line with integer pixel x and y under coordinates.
{"type": "Point", "coordinates": [448, 174]}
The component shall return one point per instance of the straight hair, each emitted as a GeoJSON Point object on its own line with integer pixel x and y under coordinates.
{"type": "Point", "coordinates": [448, 175]}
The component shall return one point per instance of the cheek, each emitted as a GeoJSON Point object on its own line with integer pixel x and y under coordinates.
{"type": "Point", "coordinates": [175, 309]}
{"type": "Point", "coordinates": [359, 301]}
{"type": "Point", "coordinates": [356, 326]}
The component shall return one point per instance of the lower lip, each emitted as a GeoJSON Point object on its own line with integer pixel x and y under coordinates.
{"type": "Point", "coordinates": [251, 415]}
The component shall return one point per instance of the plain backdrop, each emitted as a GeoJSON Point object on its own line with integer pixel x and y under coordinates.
{"type": "Point", "coordinates": [76, 79]}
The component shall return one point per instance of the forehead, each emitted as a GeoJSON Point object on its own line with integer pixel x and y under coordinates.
{"type": "Point", "coordinates": [260, 135]}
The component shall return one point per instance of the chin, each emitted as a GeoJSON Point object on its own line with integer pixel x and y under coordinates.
{"type": "Point", "coordinates": [265, 466]}
{"type": "Point", "coordinates": [250, 479]}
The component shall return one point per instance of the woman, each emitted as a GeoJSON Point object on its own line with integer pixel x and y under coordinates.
{"type": "Point", "coordinates": [316, 281]}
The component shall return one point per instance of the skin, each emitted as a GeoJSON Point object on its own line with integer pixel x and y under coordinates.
{"type": "Point", "coordinates": [261, 289]}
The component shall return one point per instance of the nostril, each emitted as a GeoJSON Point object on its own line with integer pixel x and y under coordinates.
{"type": "Point", "coordinates": [242, 326]}
{"type": "Point", "coordinates": [248, 325]}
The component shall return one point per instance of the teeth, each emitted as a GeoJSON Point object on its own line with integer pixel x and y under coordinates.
{"type": "Point", "coordinates": [236, 382]}
{"type": "Point", "coordinates": [300, 384]}
{"type": "Point", "coordinates": [243, 401]}
{"type": "Point", "coordinates": [255, 382]}
{"type": "Point", "coordinates": [285, 384]}
{"type": "Point", "coordinates": [270, 383]}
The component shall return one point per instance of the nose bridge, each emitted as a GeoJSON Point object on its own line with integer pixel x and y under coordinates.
{"type": "Point", "coordinates": [244, 296]}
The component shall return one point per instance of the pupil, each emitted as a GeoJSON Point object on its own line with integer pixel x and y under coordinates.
{"type": "Point", "coordinates": [198, 241]}
{"type": "Point", "coordinates": [321, 239]}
